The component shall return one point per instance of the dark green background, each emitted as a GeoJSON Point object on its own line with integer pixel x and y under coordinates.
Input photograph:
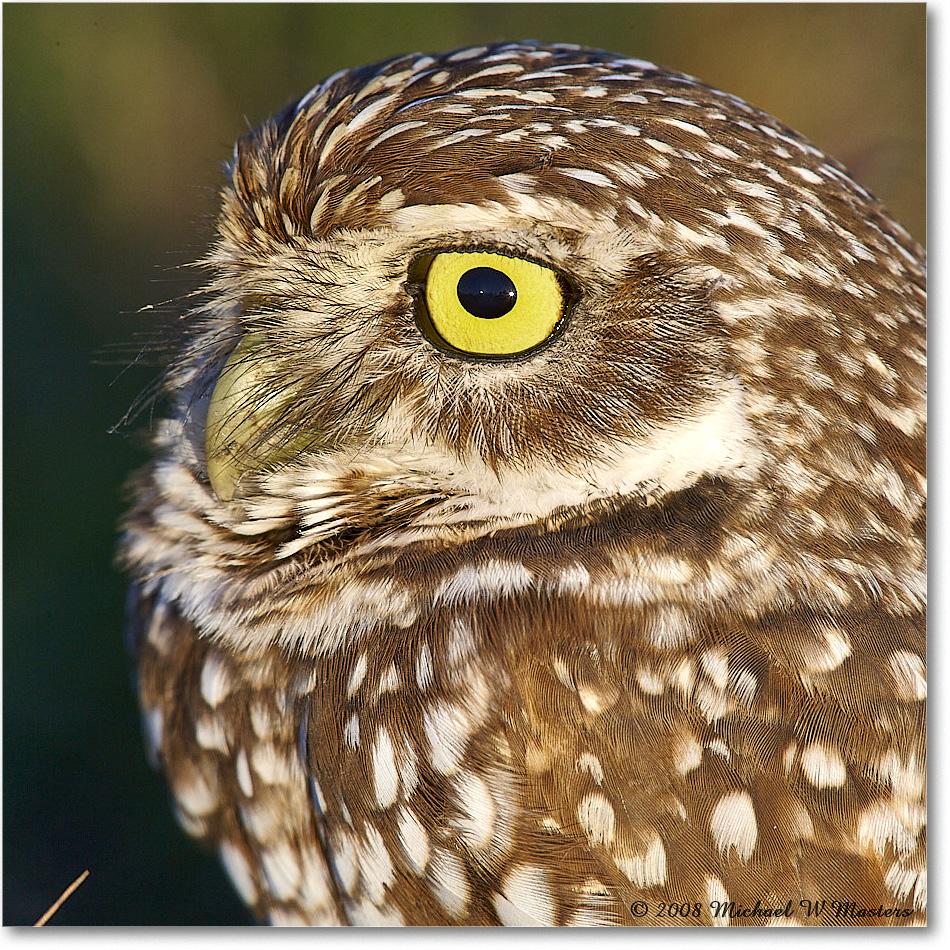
{"type": "Point", "coordinates": [116, 120]}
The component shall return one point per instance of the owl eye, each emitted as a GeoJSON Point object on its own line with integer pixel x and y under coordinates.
{"type": "Point", "coordinates": [490, 305]}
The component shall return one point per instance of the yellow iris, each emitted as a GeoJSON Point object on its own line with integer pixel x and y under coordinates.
{"type": "Point", "coordinates": [487, 304]}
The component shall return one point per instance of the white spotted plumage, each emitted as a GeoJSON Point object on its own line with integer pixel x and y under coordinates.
{"type": "Point", "coordinates": [634, 618]}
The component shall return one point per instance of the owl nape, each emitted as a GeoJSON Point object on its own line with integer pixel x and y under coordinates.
{"type": "Point", "coordinates": [535, 530]}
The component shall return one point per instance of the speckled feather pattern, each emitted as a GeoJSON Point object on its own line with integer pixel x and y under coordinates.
{"type": "Point", "coordinates": [638, 617]}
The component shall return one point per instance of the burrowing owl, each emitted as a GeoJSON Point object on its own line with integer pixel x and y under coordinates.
{"type": "Point", "coordinates": [535, 533]}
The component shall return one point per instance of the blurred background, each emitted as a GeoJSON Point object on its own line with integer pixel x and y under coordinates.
{"type": "Point", "coordinates": [116, 120]}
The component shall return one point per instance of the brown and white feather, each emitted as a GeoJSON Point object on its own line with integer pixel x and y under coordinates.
{"type": "Point", "coordinates": [637, 617]}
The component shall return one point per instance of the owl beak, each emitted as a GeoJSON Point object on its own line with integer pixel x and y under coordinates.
{"type": "Point", "coordinates": [242, 411]}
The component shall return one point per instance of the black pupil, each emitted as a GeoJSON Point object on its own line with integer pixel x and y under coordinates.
{"type": "Point", "coordinates": [487, 293]}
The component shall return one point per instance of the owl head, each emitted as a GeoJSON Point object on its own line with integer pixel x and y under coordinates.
{"type": "Point", "coordinates": [493, 285]}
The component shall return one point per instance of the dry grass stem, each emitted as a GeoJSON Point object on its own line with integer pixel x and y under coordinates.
{"type": "Point", "coordinates": [62, 897]}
